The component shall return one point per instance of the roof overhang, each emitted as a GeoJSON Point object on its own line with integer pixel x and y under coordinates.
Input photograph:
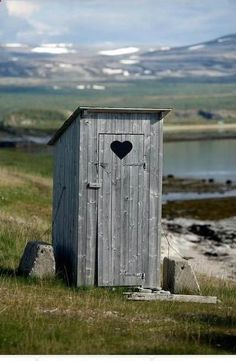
{"type": "Point", "coordinates": [94, 109]}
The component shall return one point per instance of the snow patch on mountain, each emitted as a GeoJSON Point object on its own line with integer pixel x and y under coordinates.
{"type": "Point", "coordinates": [121, 51]}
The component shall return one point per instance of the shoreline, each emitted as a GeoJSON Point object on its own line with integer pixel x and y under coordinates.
{"type": "Point", "coordinates": [188, 132]}
{"type": "Point", "coordinates": [173, 138]}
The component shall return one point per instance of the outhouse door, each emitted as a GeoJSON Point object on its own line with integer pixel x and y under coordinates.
{"type": "Point", "coordinates": [120, 210]}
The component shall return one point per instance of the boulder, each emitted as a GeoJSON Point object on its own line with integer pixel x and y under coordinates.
{"type": "Point", "coordinates": [37, 260]}
{"type": "Point", "coordinates": [179, 277]}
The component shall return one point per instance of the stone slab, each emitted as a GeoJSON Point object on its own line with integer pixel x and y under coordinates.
{"type": "Point", "coordinates": [37, 260]}
{"type": "Point", "coordinates": [139, 296]}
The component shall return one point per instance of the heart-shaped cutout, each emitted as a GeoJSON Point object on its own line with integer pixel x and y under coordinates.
{"type": "Point", "coordinates": [121, 149]}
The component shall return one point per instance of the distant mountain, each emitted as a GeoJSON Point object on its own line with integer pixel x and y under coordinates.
{"type": "Point", "coordinates": [74, 64]}
{"type": "Point", "coordinates": [211, 59]}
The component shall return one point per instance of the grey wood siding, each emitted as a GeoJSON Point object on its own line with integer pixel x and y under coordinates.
{"type": "Point", "coordinates": [65, 202]}
{"type": "Point", "coordinates": [91, 125]}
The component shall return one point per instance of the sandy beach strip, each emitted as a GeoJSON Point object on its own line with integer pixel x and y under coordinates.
{"type": "Point", "coordinates": [221, 127]}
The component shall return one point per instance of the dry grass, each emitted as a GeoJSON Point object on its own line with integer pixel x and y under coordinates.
{"type": "Point", "coordinates": [25, 206]}
{"type": "Point", "coordinates": [9, 179]}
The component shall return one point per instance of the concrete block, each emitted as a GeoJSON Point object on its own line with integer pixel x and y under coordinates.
{"type": "Point", "coordinates": [179, 277]}
{"type": "Point", "coordinates": [37, 260]}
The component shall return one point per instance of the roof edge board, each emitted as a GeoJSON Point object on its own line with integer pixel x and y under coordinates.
{"type": "Point", "coordinates": [96, 109]}
{"type": "Point", "coordinates": [124, 109]}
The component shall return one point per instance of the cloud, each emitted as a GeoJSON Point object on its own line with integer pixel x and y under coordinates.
{"type": "Point", "coordinates": [124, 22]}
{"type": "Point", "coordinates": [42, 28]}
{"type": "Point", "coordinates": [21, 9]}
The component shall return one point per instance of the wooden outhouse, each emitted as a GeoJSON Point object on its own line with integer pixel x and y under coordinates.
{"type": "Point", "coordinates": [107, 196]}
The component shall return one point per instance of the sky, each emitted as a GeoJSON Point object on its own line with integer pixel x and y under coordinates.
{"type": "Point", "coordinates": [116, 22]}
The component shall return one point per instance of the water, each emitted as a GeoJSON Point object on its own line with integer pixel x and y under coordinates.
{"type": "Point", "coordinates": [177, 196]}
{"type": "Point", "coordinates": [201, 159]}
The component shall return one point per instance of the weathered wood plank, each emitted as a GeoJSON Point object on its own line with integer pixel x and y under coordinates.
{"type": "Point", "coordinates": [154, 216]}
{"type": "Point", "coordinates": [135, 163]}
{"type": "Point", "coordinates": [83, 180]}
{"type": "Point", "coordinates": [92, 176]}
{"type": "Point", "coordinates": [99, 265]}
{"type": "Point", "coordinates": [116, 215]}
{"type": "Point", "coordinates": [105, 239]}
{"type": "Point", "coordinates": [139, 296]}
{"type": "Point", "coordinates": [138, 128]}
{"type": "Point", "coordinates": [159, 125]}
{"type": "Point", "coordinates": [145, 215]}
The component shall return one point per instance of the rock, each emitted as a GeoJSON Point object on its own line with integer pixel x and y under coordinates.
{"type": "Point", "coordinates": [209, 115]}
{"type": "Point", "coordinates": [156, 289]}
{"type": "Point", "coordinates": [216, 253]}
{"type": "Point", "coordinates": [143, 290]}
{"type": "Point", "coordinates": [205, 231]}
{"type": "Point", "coordinates": [192, 238]}
{"type": "Point", "coordinates": [179, 277]}
{"type": "Point", "coordinates": [37, 260]}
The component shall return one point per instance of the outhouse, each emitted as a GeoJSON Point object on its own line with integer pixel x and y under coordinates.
{"type": "Point", "coordinates": [107, 196]}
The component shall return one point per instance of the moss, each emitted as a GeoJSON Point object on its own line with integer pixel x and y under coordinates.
{"type": "Point", "coordinates": [209, 209]}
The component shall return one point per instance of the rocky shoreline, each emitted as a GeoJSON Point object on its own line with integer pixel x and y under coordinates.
{"type": "Point", "coordinates": [209, 246]}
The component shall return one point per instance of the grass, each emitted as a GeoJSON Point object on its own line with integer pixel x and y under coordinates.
{"type": "Point", "coordinates": [34, 163]}
{"type": "Point", "coordinates": [49, 317]}
{"type": "Point", "coordinates": [33, 120]}
{"type": "Point", "coordinates": [25, 202]}
{"type": "Point", "coordinates": [156, 93]}
{"type": "Point", "coordinates": [46, 317]}
{"type": "Point", "coordinates": [41, 110]}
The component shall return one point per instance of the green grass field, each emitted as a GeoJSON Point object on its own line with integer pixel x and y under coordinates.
{"type": "Point", "coordinates": [143, 93]}
{"type": "Point", "coordinates": [41, 109]}
{"type": "Point", "coordinates": [48, 317]}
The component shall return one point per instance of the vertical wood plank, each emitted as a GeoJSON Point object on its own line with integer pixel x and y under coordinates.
{"type": "Point", "coordinates": [100, 251]}
{"type": "Point", "coordinates": [116, 195]}
{"type": "Point", "coordinates": [83, 181]}
{"type": "Point", "coordinates": [105, 205]}
{"type": "Point", "coordinates": [138, 128]}
{"type": "Point", "coordinates": [146, 200]}
{"type": "Point", "coordinates": [92, 176]}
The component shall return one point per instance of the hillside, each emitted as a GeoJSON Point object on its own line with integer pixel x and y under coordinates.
{"type": "Point", "coordinates": [208, 61]}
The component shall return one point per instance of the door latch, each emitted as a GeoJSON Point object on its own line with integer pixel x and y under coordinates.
{"type": "Point", "coordinates": [94, 185]}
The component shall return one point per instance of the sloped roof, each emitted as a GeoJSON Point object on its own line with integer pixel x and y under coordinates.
{"type": "Point", "coordinates": [96, 109]}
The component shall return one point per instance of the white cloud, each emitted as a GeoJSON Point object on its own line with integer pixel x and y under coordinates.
{"type": "Point", "coordinates": [21, 9]}
{"type": "Point", "coordinates": [42, 28]}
